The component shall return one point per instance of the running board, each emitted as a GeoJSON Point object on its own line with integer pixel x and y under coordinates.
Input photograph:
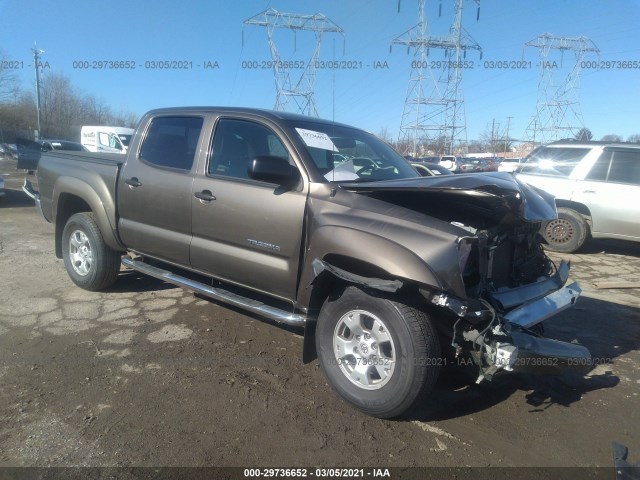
{"type": "Point", "coordinates": [219, 294]}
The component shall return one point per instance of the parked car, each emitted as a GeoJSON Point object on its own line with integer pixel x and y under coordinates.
{"type": "Point", "coordinates": [490, 164]}
{"type": "Point", "coordinates": [452, 163]}
{"type": "Point", "coordinates": [508, 165]}
{"type": "Point", "coordinates": [29, 152]}
{"type": "Point", "coordinates": [597, 190]}
{"type": "Point", "coordinates": [471, 165]}
{"type": "Point", "coordinates": [375, 262]}
{"type": "Point", "coordinates": [427, 160]}
{"type": "Point", "coordinates": [430, 169]}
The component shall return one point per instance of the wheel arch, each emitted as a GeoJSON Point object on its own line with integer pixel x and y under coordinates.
{"type": "Point", "coordinates": [581, 208]}
{"type": "Point", "coordinates": [72, 196]}
{"type": "Point", "coordinates": [383, 261]}
{"type": "Point", "coordinates": [334, 274]}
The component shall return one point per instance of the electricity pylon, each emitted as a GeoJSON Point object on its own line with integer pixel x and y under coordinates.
{"type": "Point", "coordinates": [558, 112]}
{"type": "Point", "coordinates": [291, 92]}
{"type": "Point", "coordinates": [439, 115]}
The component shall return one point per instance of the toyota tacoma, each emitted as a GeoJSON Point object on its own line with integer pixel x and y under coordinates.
{"type": "Point", "coordinates": [323, 226]}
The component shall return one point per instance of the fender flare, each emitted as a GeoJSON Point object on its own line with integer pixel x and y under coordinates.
{"type": "Point", "coordinates": [105, 216]}
{"type": "Point", "coordinates": [393, 261]}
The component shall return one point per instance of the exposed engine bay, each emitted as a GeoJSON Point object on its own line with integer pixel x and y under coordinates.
{"type": "Point", "coordinates": [511, 285]}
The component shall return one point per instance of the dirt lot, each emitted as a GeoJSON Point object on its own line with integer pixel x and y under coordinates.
{"type": "Point", "coordinates": [150, 375]}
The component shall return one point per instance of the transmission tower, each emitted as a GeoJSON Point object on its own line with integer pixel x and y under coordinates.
{"type": "Point", "coordinates": [439, 115]}
{"type": "Point", "coordinates": [291, 92]}
{"type": "Point", "coordinates": [558, 112]}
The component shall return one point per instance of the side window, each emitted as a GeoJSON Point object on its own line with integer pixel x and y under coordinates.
{"type": "Point", "coordinates": [171, 142]}
{"type": "Point", "coordinates": [600, 169]}
{"type": "Point", "coordinates": [625, 167]}
{"type": "Point", "coordinates": [114, 143]}
{"type": "Point", "coordinates": [237, 142]}
{"type": "Point", "coordinates": [103, 138]}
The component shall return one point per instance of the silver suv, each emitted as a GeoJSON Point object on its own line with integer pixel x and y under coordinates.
{"type": "Point", "coordinates": [597, 190]}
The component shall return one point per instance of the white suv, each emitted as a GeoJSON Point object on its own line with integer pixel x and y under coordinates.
{"type": "Point", "coordinates": [597, 190]}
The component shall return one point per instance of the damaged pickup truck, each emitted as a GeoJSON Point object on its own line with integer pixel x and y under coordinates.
{"type": "Point", "coordinates": [322, 226]}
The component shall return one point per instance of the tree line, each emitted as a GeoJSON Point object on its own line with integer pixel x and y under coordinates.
{"type": "Point", "coordinates": [64, 108]}
{"type": "Point", "coordinates": [488, 142]}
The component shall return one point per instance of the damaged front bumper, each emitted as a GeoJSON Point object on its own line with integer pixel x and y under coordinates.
{"type": "Point", "coordinates": [506, 333]}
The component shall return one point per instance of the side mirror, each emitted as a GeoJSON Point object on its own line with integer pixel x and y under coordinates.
{"type": "Point", "coordinates": [271, 169]}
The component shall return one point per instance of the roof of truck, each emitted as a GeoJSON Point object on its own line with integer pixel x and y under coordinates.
{"type": "Point", "coordinates": [270, 114]}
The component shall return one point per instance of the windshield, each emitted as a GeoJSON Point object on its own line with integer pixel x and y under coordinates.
{"type": "Point", "coordinates": [555, 161]}
{"type": "Point", "coordinates": [125, 139]}
{"type": "Point", "coordinates": [343, 154]}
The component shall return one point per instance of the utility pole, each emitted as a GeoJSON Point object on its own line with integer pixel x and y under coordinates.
{"type": "Point", "coordinates": [36, 66]}
{"type": "Point", "coordinates": [507, 139]}
{"type": "Point", "coordinates": [493, 137]}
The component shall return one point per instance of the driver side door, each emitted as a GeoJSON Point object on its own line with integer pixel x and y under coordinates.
{"type": "Point", "coordinates": [245, 231]}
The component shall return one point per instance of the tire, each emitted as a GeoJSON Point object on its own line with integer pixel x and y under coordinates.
{"type": "Point", "coordinates": [90, 263]}
{"type": "Point", "coordinates": [567, 233]}
{"type": "Point", "coordinates": [356, 329]}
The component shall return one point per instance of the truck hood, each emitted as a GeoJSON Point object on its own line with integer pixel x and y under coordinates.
{"type": "Point", "coordinates": [477, 200]}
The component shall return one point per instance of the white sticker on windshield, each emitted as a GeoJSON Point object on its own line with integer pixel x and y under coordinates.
{"type": "Point", "coordinates": [317, 139]}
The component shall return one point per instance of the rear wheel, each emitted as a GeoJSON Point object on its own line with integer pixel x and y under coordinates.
{"type": "Point", "coordinates": [567, 233]}
{"type": "Point", "coordinates": [89, 261]}
{"type": "Point", "coordinates": [381, 356]}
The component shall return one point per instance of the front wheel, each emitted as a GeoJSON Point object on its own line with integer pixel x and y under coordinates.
{"type": "Point", "coordinates": [90, 262]}
{"type": "Point", "coordinates": [567, 233]}
{"type": "Point", "coordinates": [381, 356]}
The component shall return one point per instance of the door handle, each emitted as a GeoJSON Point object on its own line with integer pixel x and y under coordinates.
{"type": "Point", "coordinates": [204, 196]}
{"type": "Point", "coordinates": [133, 182]}
{"type": "Point", "coordinates": [588, 191]}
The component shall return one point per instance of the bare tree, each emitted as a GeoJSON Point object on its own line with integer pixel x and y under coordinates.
{"type": "Point", "coordinates": [634, 138]}
{"type": "Point", "coordinates": [494, 139]}
{"type": "Point", "coordinates": [611, 138]}
{"type": "Point", "coordinates": [8, 78]}
{"type": "Point", "coordinates": [385, 135]}
{"type": "Point", "coordinates": [584, 135]}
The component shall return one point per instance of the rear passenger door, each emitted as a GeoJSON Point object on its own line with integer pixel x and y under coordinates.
{"type": "Point", "coordinates": [611, 190]}
{"type": "Point", "coordinates": [154, 189]}
{"type": "Point", "coordinates": [245, 231]}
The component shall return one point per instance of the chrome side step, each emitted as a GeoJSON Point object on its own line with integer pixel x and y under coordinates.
{"type": "Point", "coordinates": [219, 294]}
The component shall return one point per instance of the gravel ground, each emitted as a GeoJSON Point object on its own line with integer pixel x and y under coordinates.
{"type": "Point", "coordinates": [146, 374]}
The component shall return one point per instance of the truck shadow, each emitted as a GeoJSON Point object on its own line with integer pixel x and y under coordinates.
{"type": "Point", "coordinates": [130, 281]}
{"type": "Point", "coordinates": [16, 199]}
{"type": "Point", "coordinates": [610, 246]}
{"type": "Point", "coordinates": [133, 281]}
{"type": "Point", "coordinates": [607, 329]}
